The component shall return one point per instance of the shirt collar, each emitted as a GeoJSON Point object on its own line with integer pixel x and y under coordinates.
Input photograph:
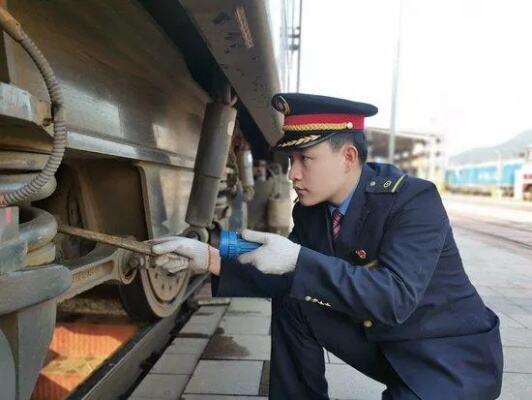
{"type": "Point", "coordinates": [344, 205]}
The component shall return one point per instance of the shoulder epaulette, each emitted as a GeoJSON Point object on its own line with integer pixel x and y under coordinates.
{"type": "Point", "coordinates": [384, 184]}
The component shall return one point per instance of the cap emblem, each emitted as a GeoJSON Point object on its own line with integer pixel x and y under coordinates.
{"type": "Point", "coordinates": [282, 105]}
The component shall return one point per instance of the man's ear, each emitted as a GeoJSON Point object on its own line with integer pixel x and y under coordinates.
{"type": "Point", "coordinates": [351, 155]}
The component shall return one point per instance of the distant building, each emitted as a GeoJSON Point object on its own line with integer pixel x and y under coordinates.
{"type": "Point", "coordinates": [419, 154]}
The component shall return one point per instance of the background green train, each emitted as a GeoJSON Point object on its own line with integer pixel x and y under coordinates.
{"type": "Point", "coordinates": [503, 170]}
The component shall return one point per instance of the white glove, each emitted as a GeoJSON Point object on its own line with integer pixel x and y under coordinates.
{"type": "Point", "coordinates": [277, 255]}
{"type": "Point", "coordinates": [173, 248]}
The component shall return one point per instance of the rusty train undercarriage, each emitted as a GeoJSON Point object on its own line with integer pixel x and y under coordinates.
{"type": "Point", "coordinates": [133, 119]}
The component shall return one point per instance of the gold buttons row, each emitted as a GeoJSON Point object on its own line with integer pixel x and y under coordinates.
{"type": "Point", "coordinates": [367, 323]}
{"type": "Point", "coordinates": [314, 300]}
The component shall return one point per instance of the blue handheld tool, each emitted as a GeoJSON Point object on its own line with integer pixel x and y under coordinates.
{"type": "Point", "coordinates": [232, 244]}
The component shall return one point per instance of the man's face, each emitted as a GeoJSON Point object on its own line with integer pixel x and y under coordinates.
{"type": "Point", "coordinates": [318, 173]}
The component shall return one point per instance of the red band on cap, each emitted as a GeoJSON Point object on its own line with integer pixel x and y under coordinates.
{"type": "Point", "coordinates": [301, 119]}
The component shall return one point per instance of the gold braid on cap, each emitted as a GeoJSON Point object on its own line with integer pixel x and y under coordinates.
{"type": "Point", "coordinates": [303, 140]}
{"type": "Point", "coordinates": [319, 126]}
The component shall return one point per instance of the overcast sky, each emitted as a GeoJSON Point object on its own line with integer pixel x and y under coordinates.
{"type": "Point", "coordinates": [465, 67]}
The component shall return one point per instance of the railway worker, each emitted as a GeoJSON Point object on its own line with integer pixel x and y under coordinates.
{"type": "Point", "coordinates": [370, 271]}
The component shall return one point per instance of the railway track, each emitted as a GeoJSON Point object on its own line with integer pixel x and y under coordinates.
{"type": "Point", "coordinates": [514, 233]}
{"type": "Point", "coordinates": [115, 378]}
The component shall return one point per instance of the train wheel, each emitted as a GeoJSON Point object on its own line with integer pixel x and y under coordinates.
{"type": "Point", "coordinates": [153, 293]}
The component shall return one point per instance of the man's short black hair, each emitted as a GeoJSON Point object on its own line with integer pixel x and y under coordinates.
{"type": "Point", "coordinates": [357, 139]}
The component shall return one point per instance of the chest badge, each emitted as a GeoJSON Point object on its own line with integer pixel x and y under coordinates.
{"type": "Point", "coordinates": [361, 253]}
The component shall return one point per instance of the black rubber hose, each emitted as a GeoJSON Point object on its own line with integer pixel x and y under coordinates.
{"type": "Point", "coordinates": [13, 28]}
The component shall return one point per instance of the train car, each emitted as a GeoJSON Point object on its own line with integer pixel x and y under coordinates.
{"type": "Point", "coordinates": [133, 119]}
{"type": "Point", "coordinates": [523, 181]}
{"type": "Point", "coordinates": [492, 170]}
{"type": "Point", "coordinates": [484, 178]}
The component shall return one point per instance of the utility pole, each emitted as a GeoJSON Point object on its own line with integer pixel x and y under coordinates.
{"type": "Point", "coordinates": [395, 84]}
{"type": "Point", "coordinates": [299, 48]}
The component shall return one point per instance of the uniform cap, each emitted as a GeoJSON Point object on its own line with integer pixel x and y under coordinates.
{"type": "Point", "coordinates": [310, 119]}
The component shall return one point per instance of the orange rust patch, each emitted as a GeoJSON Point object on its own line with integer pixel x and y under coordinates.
{"type": "Point", "coordinates": [76, 350]}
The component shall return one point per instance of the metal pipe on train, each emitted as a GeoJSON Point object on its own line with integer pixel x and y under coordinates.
{"type": "Point", "coordinates": [213, 148]}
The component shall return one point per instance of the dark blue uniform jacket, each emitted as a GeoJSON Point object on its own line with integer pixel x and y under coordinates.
{"type": "Point", "coordinates": [408, 285]}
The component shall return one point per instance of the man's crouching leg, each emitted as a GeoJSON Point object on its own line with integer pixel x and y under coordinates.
{"type": "Point", "coordinates": [300, 331]}
{"type": "Point", "coordinates": [297, 368]}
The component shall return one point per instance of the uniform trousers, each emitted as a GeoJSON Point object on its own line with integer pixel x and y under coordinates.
{"type": "Point", "coordinates": [300, 330]}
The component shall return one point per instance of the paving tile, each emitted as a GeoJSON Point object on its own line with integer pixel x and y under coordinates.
{"type": "Point", "coordinates": [516, 387]}
{"type": "Point", "coordinates": [238, 378]}
{"type": "Point", "coordinates": [251, 307]}
{"type": "Point", "coordinates": [515, 293]}
{"type": "Point", "coordinates": [175, 364]}
{"type": "Point", "coordinates": [213, 301]}
{"type": "Point", "coordinates": [265, 379]}
{"type": "Point", "coordinates": [207, 316]}
{"type": "Point", "coordinates": [522, 318]}
{"type": "Point", "coordinates": [217, 310]}
{"type": "Point", "coordinates": [508, 309]}
{"type": "Point", "coordinates": [218, 397]}
{"type": "Point", "coordinates": [244, 325]}
{"type": "Point", "coordinates": [516, 337]}
{"type": "Point", "coordinates": [182, 345]}
{"type": "Point", "coordinates": [139, 398]}
{"type": "Point", "coordinates": [521, 301]}
{"type": "Point", "coordinates": [509, 322]}
{"type": "Point", "coordinates": [495, 301]}
{"type": "Point", "coordinates": [347, 383]}
{"type": "Point", "coordinates": [197, 330]}
{"type": "Point", "coordinates": [163, 387]}
{"type": "Point", "coordinates": [517, 359]}
{"type": "Point", "coordinates": [203, 322]}
{"type": "Point", "coordinates": [527, 308]}
{"type": "Point", "coordinates": [244, 347]}
{"type": "Point", "coordinates": [486, 291]}
{"type": "Point", "coordinates": [204, 318]}
{"type": "Point", "coordinates": [335, 360]}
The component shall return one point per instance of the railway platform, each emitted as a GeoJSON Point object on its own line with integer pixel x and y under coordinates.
{"type": "Point", "coordinates": [222, 353]}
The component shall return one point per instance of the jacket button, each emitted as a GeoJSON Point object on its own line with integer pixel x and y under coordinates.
{"type": "Point", "coordinates": [367, 323]}
{"type": "Point", "coordinates": [308, 298]}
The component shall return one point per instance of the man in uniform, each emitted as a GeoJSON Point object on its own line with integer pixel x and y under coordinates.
{"type": "Point", "coordinates": [370, 271]}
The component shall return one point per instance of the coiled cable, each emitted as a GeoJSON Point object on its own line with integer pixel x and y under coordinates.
{"type": "Point", "coordinates": [13, 29]}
